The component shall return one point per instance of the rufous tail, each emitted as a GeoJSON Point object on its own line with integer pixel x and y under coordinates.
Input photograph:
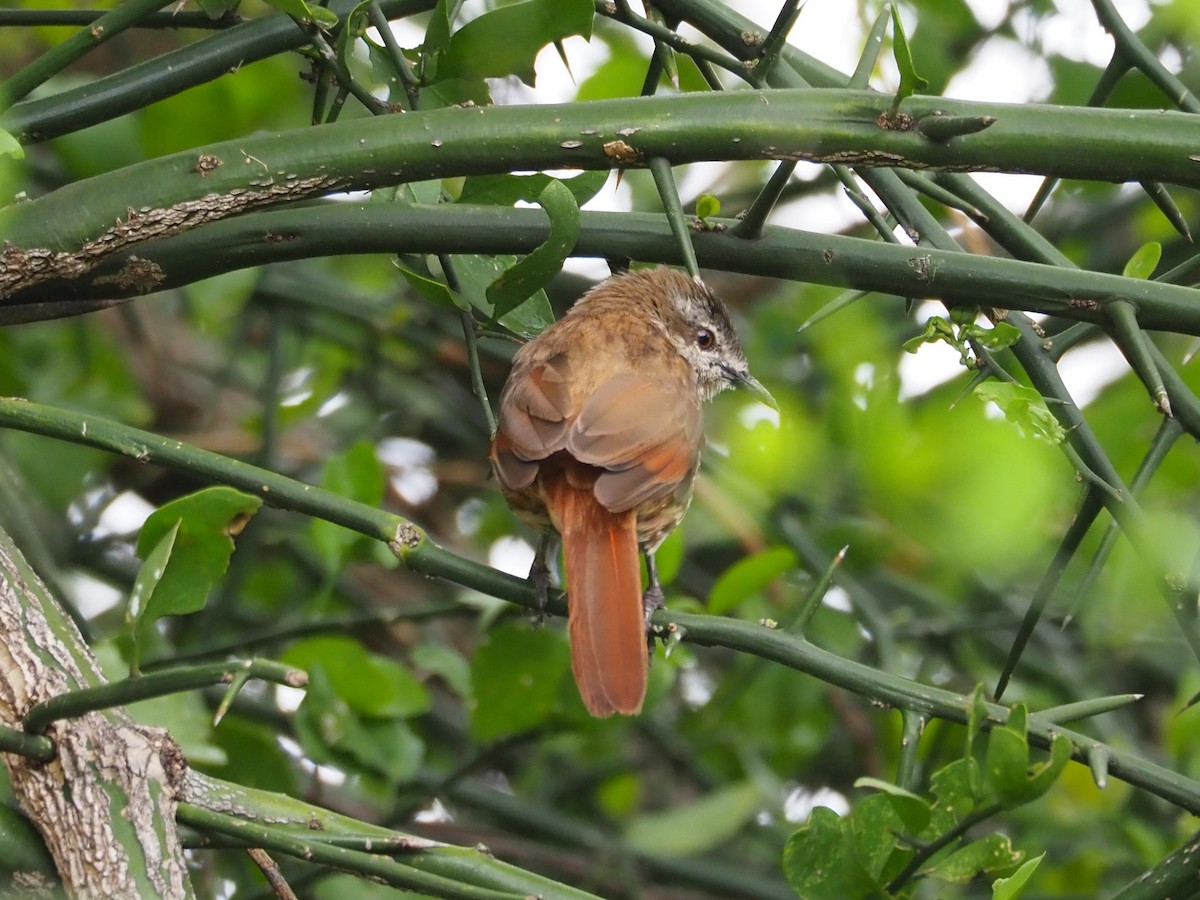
{"type": "Point", "coordinates": [605, 621]}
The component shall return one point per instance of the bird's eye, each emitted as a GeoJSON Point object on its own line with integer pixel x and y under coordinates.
{"type": "Point", "coordinates": [705, 339]}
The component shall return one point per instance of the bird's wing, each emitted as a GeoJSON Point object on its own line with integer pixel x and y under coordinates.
{"type": "Point", "coordinates": [536, 410]}
{"type": "Point", "coordinates": [645, 433]}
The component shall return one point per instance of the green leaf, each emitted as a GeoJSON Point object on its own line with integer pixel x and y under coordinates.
{"type": "Point", "coordinates": [437, 41]}
{"type": "Point", "coordinates": [1008, 888]}
{"type": "Point", "coordinates": [1025, 408]}
{"type": "Point", "coordinates": [356, 474]}
{"type": "Point", "coordinates": [447, 663]}
{"type": "Point", "coordinates": [506, 41]}
{"type": "Point", "coordinates": [505, 190]}
{"type": "Point", "coordinates": [875, 826]}
{"type": "Point", "coordinates": [370, 684]}
{"type": "Point", "coordinates": [957, 789]}
{"type": "Point", "coordinates": [999, 337]}
{"type": "Point", "coordinates": [747, 577]}
{"type": "Point", "coordinates": [1008, 771]}
{"type": "Point", "coordinates": [1043, 775]}
{"type": "Point", "coordinates": [698, 826]}
{"type": "Point", "coordinates": [475, 276]}
{"type": "Point", "coordinates": [307, 12]}
{"type": "Point", "coordinates": [331, 730]}
{"type": "Point", "coordinates": [818, 861]}
{"type": "Point", "coordinates": [432, 289]}
{"type": "Point", "coordinates": [186, 545]}
{"type": "Point", "coordinates": [991, 855]}
{"type": "Point", "coordinates": [912, 809]}
{"type": "Point", "coordinates": [515, 677]}
{"type": "Point", "coordinates": [1005, 764]}
{"type": "Point", "coordinates": [707, 206]}
{"type": "Point", "coordinates": [10, 146]}
{"type": "Point", "coordinates": [533, 272]}
{"type": "Point", "coordinates": [910, 81]}
{"type": "Point", "coordinates": [456, 92]}
{"type": "Point", "coordinates": [1144, 261]}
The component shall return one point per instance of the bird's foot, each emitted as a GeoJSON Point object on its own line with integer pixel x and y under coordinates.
{"type": "Point", "coordinates": [652, 601]}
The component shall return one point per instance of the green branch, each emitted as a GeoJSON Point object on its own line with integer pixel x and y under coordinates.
{"type": "Point", "coordinates": [956, 278]}
{"type": "Point", "coordinates": [208, 183]}
{"type": "Point", "coordinates": [83, 41]}
{"type": "Point", "coordinates": [172, 73]}
{"type": "Point", "coordinates": [72, 704]}
{"type": "Point", "coordinates": [297, 828]}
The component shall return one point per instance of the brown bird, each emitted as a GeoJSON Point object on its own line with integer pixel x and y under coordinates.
{"type": "Point", "coordinates": [599, 438]}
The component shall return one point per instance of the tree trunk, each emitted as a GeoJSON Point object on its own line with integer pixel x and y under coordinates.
{"type": "Point", "coordinates": [105, 804]}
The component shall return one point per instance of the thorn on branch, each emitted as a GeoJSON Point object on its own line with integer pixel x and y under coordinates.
{"type": "Point", "coordinates": [940, 128]}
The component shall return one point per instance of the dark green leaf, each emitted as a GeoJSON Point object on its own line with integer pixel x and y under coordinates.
{"type": "Point", "coordinates": [214, 9]}
{"type": "Point", "coordinates": [515, 678]}
{"type": "Point", "coordinates": [913, 810]}
{"type": "Point", "coordinates": [432, 289]}
{"type": "Point", "coordinates": [437, 41]}
{"type": "Point", "coordinates": [505, 190]}
{"type": "Point", "coordinates": [332, 731]}
{"type": "Point", "coordinates": [748, 576]}
{"type": "Point", "coordinates": [370, 684]}
{"type": "Point", "coordinates": [456, 92]}
{"type": "Point", "coordinates": [957, 787]}
{"type": "Point", "coordinates": [190, 541]}
{"type": "Point", "coordinates": [991, 855]}
{"type": "Point", "coordinates": [875, 826]}
{"type": "Point", "coordinates": [534, 272]}
{"type": "Point", "coordinates": [447, 663]}
{"type": "Point", "coordinates": [1005, 764]}
{"type": "Point", "coordinates": [357, 475]}
{"type": "Point", "coordinates": [819, 862]}
{"type": "Point", "coordinates": [506, 41]}
{"type": "Point", "coordinates": [699, 826]}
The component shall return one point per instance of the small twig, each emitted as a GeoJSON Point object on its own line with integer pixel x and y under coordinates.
{"type": "Point", "coordinates": [772, 47]}
{"type": "Point", "coordinates": [53, 61]}
{"type": "Point", "coordinates": [73, 704]}
{"type": "Point", "coordinates": [1089, 509]}
{"type": "Point", "coordinates": [755, 218]}
{"type": "Point", "coordinates": [347, 81]}
{"type": "Point", "coordinates": [623, 14]}
{"type": "Point", "coordinates": [926, 851]}
{"type": "Point", "coordinates": [82, 18]}
{"type": "Point", "coordinates": [1135, 345]}
{"type": "Point", "coordinates": [408, 78]}
{"type": "Point", "coordinates": [1138, 55]}
{"type": "Point", "coordinates": [668, 192]}
{"type": "Point", "coordinates": [471, 341]}
{"type": "Point", "coordinates": [270, 870]}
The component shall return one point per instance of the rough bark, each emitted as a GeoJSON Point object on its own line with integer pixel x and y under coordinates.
{"type": "Point", "coordinates": [105, 805]}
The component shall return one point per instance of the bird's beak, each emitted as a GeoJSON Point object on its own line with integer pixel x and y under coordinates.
{"type": "Point", "coordinates": [748, 382]}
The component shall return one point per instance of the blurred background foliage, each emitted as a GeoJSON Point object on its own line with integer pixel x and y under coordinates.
{"type": "Point", "coordinates": [439, 710]}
